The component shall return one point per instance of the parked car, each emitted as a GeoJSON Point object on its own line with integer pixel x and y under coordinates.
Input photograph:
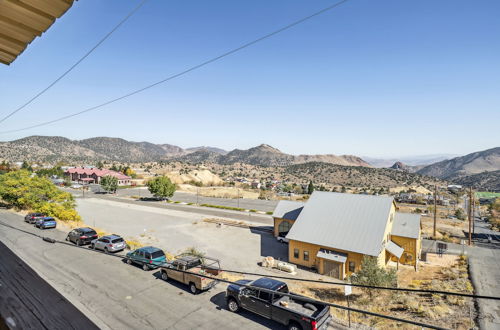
{"type": "Point", "coordinates": [148, 257]}
{"type": "Point", "coordinates": [76, 186]}
{"type": "Point", "coordinates": [81, 236]}
{"type": "Point", "coordinates": [282, 238]}
{"type": "Point", "coordinates": [33, 217]}
{"type": "Point", "coordinates": [109, 243]}
{"type": "Point", "coordinates": [293, 312]}
{"type": "Point", "coordinates": [46, 223]}
{"type": "Point", "coordinates": [194, 265]}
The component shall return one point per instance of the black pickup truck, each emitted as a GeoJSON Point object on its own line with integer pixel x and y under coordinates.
{"type": "Point", "coordinates": [293, 312]}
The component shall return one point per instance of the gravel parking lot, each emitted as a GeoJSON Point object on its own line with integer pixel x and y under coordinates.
{"type": "Point", "coordinates": [173, 231]}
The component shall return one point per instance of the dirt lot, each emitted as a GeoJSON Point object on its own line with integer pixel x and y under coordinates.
{"type": "Point", "coordinates": [447, 273]}
{"type": "Point", "coordinates": [448, 230]}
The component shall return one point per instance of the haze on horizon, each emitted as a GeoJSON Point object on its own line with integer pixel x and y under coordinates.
{"type": "Point", "coordinates": [380, 79]}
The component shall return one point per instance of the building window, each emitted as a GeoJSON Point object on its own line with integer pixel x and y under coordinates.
{"type": "Point", "coordinates": [296, 253]}
{"type": "Point", "coordinates": [352, 266]}
{"type": "Point", "coordinates": [306, 255]}
{"type": "Point", "coordinates": [284, 227]}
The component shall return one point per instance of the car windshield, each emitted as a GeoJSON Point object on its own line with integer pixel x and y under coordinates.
{"type": "Point", "coordinates": [89, 232]}
{"type": "Point", "coordinates": [117, 240]}
{"type": "Point", "coordinates": [157, 254]}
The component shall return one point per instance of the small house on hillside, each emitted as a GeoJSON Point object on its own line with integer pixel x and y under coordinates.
{"type": "Point", "coordinates": [332, 232]}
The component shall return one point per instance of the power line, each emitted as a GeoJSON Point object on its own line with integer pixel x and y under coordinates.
{"type": "Point", "coordinates": [76, 63]}
{"type": "Point", "coordinates": [214, 59]}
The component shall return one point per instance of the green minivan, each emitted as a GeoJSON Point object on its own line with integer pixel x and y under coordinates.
{"type": "Point", "coordinates": [148, 257]}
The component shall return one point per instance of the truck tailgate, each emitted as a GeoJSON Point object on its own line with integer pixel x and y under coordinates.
{"type": "Point", "coordinates": [323, 317]}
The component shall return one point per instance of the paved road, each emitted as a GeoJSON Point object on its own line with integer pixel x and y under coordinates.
{"type": "Point", "coordinates": [117, 296]}
{"type": "Point", "coordinates": [249, 204]}
{"type": "Point", "coordinates": [484, 267]}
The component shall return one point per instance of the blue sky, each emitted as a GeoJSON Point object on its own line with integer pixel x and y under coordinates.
{"type": "Point", "coordinates": [374, 78]}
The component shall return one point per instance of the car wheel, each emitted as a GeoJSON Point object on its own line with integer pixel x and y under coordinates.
{"type": "Point", "coordinates": [233, 305]}
{"type": "Point", "coordinates": [164, 276]}
{"type": "Point", "coordinates": [67, 238]}
{"type": "Point", "coordinates": [106, 250]}
{"type": "Point", "coordinates": [193, 288]}
{"type": "Point", "coordinates": [294, 326]}
{"type": "Point", "coordinates": [129, 261]}
{"type": "Point", "coordinates": [92, 246]}
{"type": "Point", "coordinates": [79, 243]}
{"type": "Point", "coordinates": [145, 267]}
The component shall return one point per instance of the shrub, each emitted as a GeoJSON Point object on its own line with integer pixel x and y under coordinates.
{"type": "Point", "coordinates": [374, 275]}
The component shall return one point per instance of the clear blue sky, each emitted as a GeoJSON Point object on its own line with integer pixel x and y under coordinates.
{"type": "Point", "coordinates": [375, 78]}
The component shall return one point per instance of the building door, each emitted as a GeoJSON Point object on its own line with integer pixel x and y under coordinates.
{"type": "Point", "coordinates": [332, 269]}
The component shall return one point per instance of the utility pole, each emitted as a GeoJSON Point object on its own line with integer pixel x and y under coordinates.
{"type": "Point", "coordinates": [238, 197]}
{"type": "Point", "coordinates": [470, 216]}
{"type": "Point", "coordinates": [435, 210]}
{"type": "Point", "coordinates": [473, 214]}
{"type": "Point", "coordinates": [197, 195]}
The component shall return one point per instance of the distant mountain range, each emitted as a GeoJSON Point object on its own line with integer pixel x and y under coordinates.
{"type": "Point", "coordinates": [421, 160]}
{"type": "Point", "coordinates": [55, 148]}
{"type": "Point", "coordinates": [476, 169]}
{"type": "Point", "coordinates": [479, 169]}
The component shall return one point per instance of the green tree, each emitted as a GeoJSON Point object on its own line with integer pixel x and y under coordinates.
{"type": "Point", "coordinates": [99, 165]}
{"type": "Point", "coordinates": [109, 183]}
{"type": "Point", "coordinates": [372, 274]}
{"type": "Point", "coordinates": [26, 166]}
{"type": "Point", "coordinates": [20, 190]}
{"type": "Point", "coordinates": [460, 214]}
{"type": "Point", "coordinates": [310, 188]}
{"type": "Point", "coordinates": [161, 187]}
{"type": "Point", "coordinates": [343, 189]}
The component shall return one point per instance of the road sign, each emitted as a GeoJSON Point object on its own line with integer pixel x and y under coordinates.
{"type": "Point", "coordinates": [348, 290]}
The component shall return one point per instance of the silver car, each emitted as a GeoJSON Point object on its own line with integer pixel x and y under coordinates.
{"type": "Point", "coordinates": [109, 243]}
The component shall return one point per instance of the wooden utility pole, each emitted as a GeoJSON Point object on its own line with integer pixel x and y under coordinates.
{"type": "Point", "coordinates": [470, 216]}
{"type": "Point", "coordinates": [473, 214]}
{"type": "Point", "coordinates": [435, 210]}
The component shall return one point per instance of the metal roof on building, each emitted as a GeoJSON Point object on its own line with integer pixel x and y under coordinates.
{"type": "Point", "coordinates": [394, 249]}
{"type": "Point", "coordinates": [21, 21]}
{"type": "Point", "coordinates": [344, 221]}
{"type": "Point", "coordinates": [289, 210]}
{"type": "Point", "coordinates": [406, 225]}
{"type": "Point", "coordinates": [332, 255]}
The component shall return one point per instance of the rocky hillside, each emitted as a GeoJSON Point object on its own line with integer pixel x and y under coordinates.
{"type": "Point", "coordinates": [474, 163]}
{"type": "Point", "coordinates": [481, 181]}
{"type": "Point", "coordinates": [357, 176]}
{"type": "Point", "coordinates": [54, 149]}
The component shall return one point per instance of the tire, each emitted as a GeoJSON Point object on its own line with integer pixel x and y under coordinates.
{"type": "Point", "coordinates": [145, 267]}
{"type": "Point", "coordinates": [232, 305]}
{"type": "Point", "coordinates": [164, 276]}
{"type": "Point", "coordinates": [79, 243]}
{"type": "Point", "coordinates": [192, 288]}
{"type": "Point", "coordinates": [92, 246]}
{"type": "Point", "coordinates": [67, 238]}
{"type": "Point", "coordinates": [294, 326]}
{"type": "Point", "coordinates": [106, 250]}
{"type": "Point", "coordinates": [129, 261]}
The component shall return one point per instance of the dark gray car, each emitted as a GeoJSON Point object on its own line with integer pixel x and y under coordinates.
{"type": "Point", "coordinates": [33, 217]}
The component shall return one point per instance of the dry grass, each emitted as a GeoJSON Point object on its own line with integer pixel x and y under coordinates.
{"type": "Point", "coordinates": [449, 273]}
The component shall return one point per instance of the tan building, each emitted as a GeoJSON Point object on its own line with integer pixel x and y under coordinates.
{"type": "Point", "coordinates": [284, 215]}
{"type": "Point", "coordinates": [332, 232]}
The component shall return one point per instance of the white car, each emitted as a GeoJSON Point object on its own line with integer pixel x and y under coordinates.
{"type": "Point", "coordinates": [76, 186]}
{"type": "Point", "coordinates": [282, 238]}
